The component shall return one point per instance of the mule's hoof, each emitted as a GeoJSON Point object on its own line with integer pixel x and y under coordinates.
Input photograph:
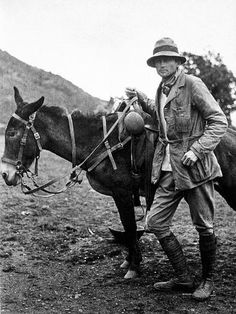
{"type": "Point", "coordinates": [131, 274]}
{"type": "Point", "coordinates": [125, 264]}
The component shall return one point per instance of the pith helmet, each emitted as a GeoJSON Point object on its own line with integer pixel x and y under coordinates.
{"type": "Point", "coordinates": [165, 47]}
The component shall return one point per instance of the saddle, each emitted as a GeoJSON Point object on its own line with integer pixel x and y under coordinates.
{"type": "Point", "coordinates": [141, 154]}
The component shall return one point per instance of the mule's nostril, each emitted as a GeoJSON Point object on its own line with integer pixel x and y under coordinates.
{"type": "Point", "coordinates": [4, 175]}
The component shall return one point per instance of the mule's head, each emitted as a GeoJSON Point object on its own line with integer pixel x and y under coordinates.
{"type": "Point", "coordinates": [14, 135]}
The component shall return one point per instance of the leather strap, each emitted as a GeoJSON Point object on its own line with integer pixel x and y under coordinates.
{"type": "Point", "coordinates": [103, 155]}
{"type": "Point", "coordinates": [106, 143]}
{"type": "Point", "coordinates": [72, 136]}
{"type": "Point", "coordinates": [188, 138]}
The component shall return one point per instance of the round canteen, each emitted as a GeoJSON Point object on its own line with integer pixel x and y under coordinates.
{"type": "Point", "coordinates": [134, 123]}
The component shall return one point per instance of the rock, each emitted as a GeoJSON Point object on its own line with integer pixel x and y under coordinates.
{"type": "Point", "coordinates": [5, 254]}
{"type": "Point", "coordinates": [8, 268]}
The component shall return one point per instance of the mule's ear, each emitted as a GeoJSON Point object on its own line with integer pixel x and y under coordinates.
{"type": "Point", "coordinates": [36, 105]}
{"type": "Point", "coordinates": [18, 98]}
{"type": "Point", "coordinates": [26, 109]}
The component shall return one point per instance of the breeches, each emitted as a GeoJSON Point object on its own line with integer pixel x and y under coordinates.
{"type": "Point", "coordinates": [200, 200]}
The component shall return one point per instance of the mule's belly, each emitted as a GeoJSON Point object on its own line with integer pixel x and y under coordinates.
{"type": "Point", "coordinates": [98, 187]}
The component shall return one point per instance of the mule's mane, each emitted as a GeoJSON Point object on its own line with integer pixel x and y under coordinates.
{"type": "Point", "coordinates": [92, 121]}
{"type": "Point", "coordinates": [93, 117]}
{"type": "Point", "coordinates": [58, 111]}
{"type": "Point", "coordinates": [54, 110]}
{"type": "Point", "coordinates": [78, 114]}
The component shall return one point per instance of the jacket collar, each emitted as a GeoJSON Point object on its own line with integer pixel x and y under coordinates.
{"type": "Point", "coordinates": [180, 82]}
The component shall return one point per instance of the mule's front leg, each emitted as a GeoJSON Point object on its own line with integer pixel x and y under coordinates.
{"type": "Point", "coordinates": [124, 203]}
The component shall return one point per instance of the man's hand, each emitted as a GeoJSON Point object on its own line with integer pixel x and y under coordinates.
{"type": "Point", "coordinates": [130, 92]}
{"type": "Point", "coordinates": [189, 158]}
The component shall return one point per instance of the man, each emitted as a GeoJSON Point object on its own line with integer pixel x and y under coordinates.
{"type": "Point", "coordinates": [191, 124]}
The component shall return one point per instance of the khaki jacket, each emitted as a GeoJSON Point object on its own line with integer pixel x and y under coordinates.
{"type": "Point", "coordinates": [195, 122]}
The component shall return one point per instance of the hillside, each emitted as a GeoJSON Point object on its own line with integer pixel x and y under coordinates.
{"type": "Point", "coordinates": [34, 83]}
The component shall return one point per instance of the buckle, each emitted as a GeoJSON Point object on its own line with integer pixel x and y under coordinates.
{"type": "Point", "coordinates": [36, 136]}
{"type": "Point", "coordinates": [23, 141]}
{"type": "Point", "coordinates": [18, 165]}
{"type": "Point", "coordinates": [120, 145]}
{"type": "Point", "coordinates": [29, 125]}
{"type": "Point", "coordinates": [107, 145]}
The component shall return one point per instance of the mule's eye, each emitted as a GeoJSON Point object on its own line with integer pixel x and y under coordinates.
{"type": "Point", "coordinates": [11, 133]}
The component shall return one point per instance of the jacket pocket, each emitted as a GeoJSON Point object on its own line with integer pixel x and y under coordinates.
{"type": "Point", "coordinates": [200, 171]}
{"type": "Point", "coordinates": [182, 121]}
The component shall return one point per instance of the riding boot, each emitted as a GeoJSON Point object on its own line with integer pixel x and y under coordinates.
{"type": "Point", "coordinates": [207, 245]}
{"type": "Point", "coordinates": [177, 259]}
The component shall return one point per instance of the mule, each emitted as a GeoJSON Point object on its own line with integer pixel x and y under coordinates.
{"type": "Point", "coordinates": [51, 124]}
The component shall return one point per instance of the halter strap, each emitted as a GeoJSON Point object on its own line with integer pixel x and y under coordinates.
{"type": "Point", "coordinates": [29, 126]}
{"type": "Point", "coordinates": [73, 145]}
{"type": "Point", "coordinates": [14, 115]}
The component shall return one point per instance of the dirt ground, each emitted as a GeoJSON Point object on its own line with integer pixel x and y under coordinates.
{"type": "Point", "coordinates": [57, 255]}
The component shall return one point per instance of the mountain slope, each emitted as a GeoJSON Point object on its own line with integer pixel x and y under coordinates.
{"type": "Point", "coordinates": [34, 83]}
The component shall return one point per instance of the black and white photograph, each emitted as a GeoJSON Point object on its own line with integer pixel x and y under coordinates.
{"type": "Point", "coordinates": [117, 156]}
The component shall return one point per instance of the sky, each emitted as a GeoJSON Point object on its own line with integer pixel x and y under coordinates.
{"type": "Point", "coordinates": [102, 45]}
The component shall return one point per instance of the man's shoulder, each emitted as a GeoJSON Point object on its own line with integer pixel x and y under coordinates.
{"type": "Point", "coordinates": [192, 78]}
{"type": "Point", "coordinates": [195, 83]}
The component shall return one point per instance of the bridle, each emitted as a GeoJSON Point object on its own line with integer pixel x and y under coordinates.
{"type": "Point", "coordinates": [21, 169]}
{"type": "Point", "coordinates": [29, 125]}
{"type": "Point", "coordinates": [76, 172]}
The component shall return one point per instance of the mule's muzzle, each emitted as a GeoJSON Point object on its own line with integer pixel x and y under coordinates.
{"type": "Point", "coordinates": [10, 181]}
{"type": "Point", "coordinates": [4, 175]}
{"type": "Point", "coordinates": [10, 174]}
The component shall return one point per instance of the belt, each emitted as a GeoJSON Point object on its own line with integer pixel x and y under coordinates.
{"type": "Point", "coordinates": [165, 141]}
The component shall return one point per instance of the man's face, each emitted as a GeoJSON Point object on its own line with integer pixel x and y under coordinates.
{"type": "Point", "coordinates": [166, 66]}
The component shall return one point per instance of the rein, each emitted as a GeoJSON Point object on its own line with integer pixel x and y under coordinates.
{"type": "Point", "coordinates": [74, 176]}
